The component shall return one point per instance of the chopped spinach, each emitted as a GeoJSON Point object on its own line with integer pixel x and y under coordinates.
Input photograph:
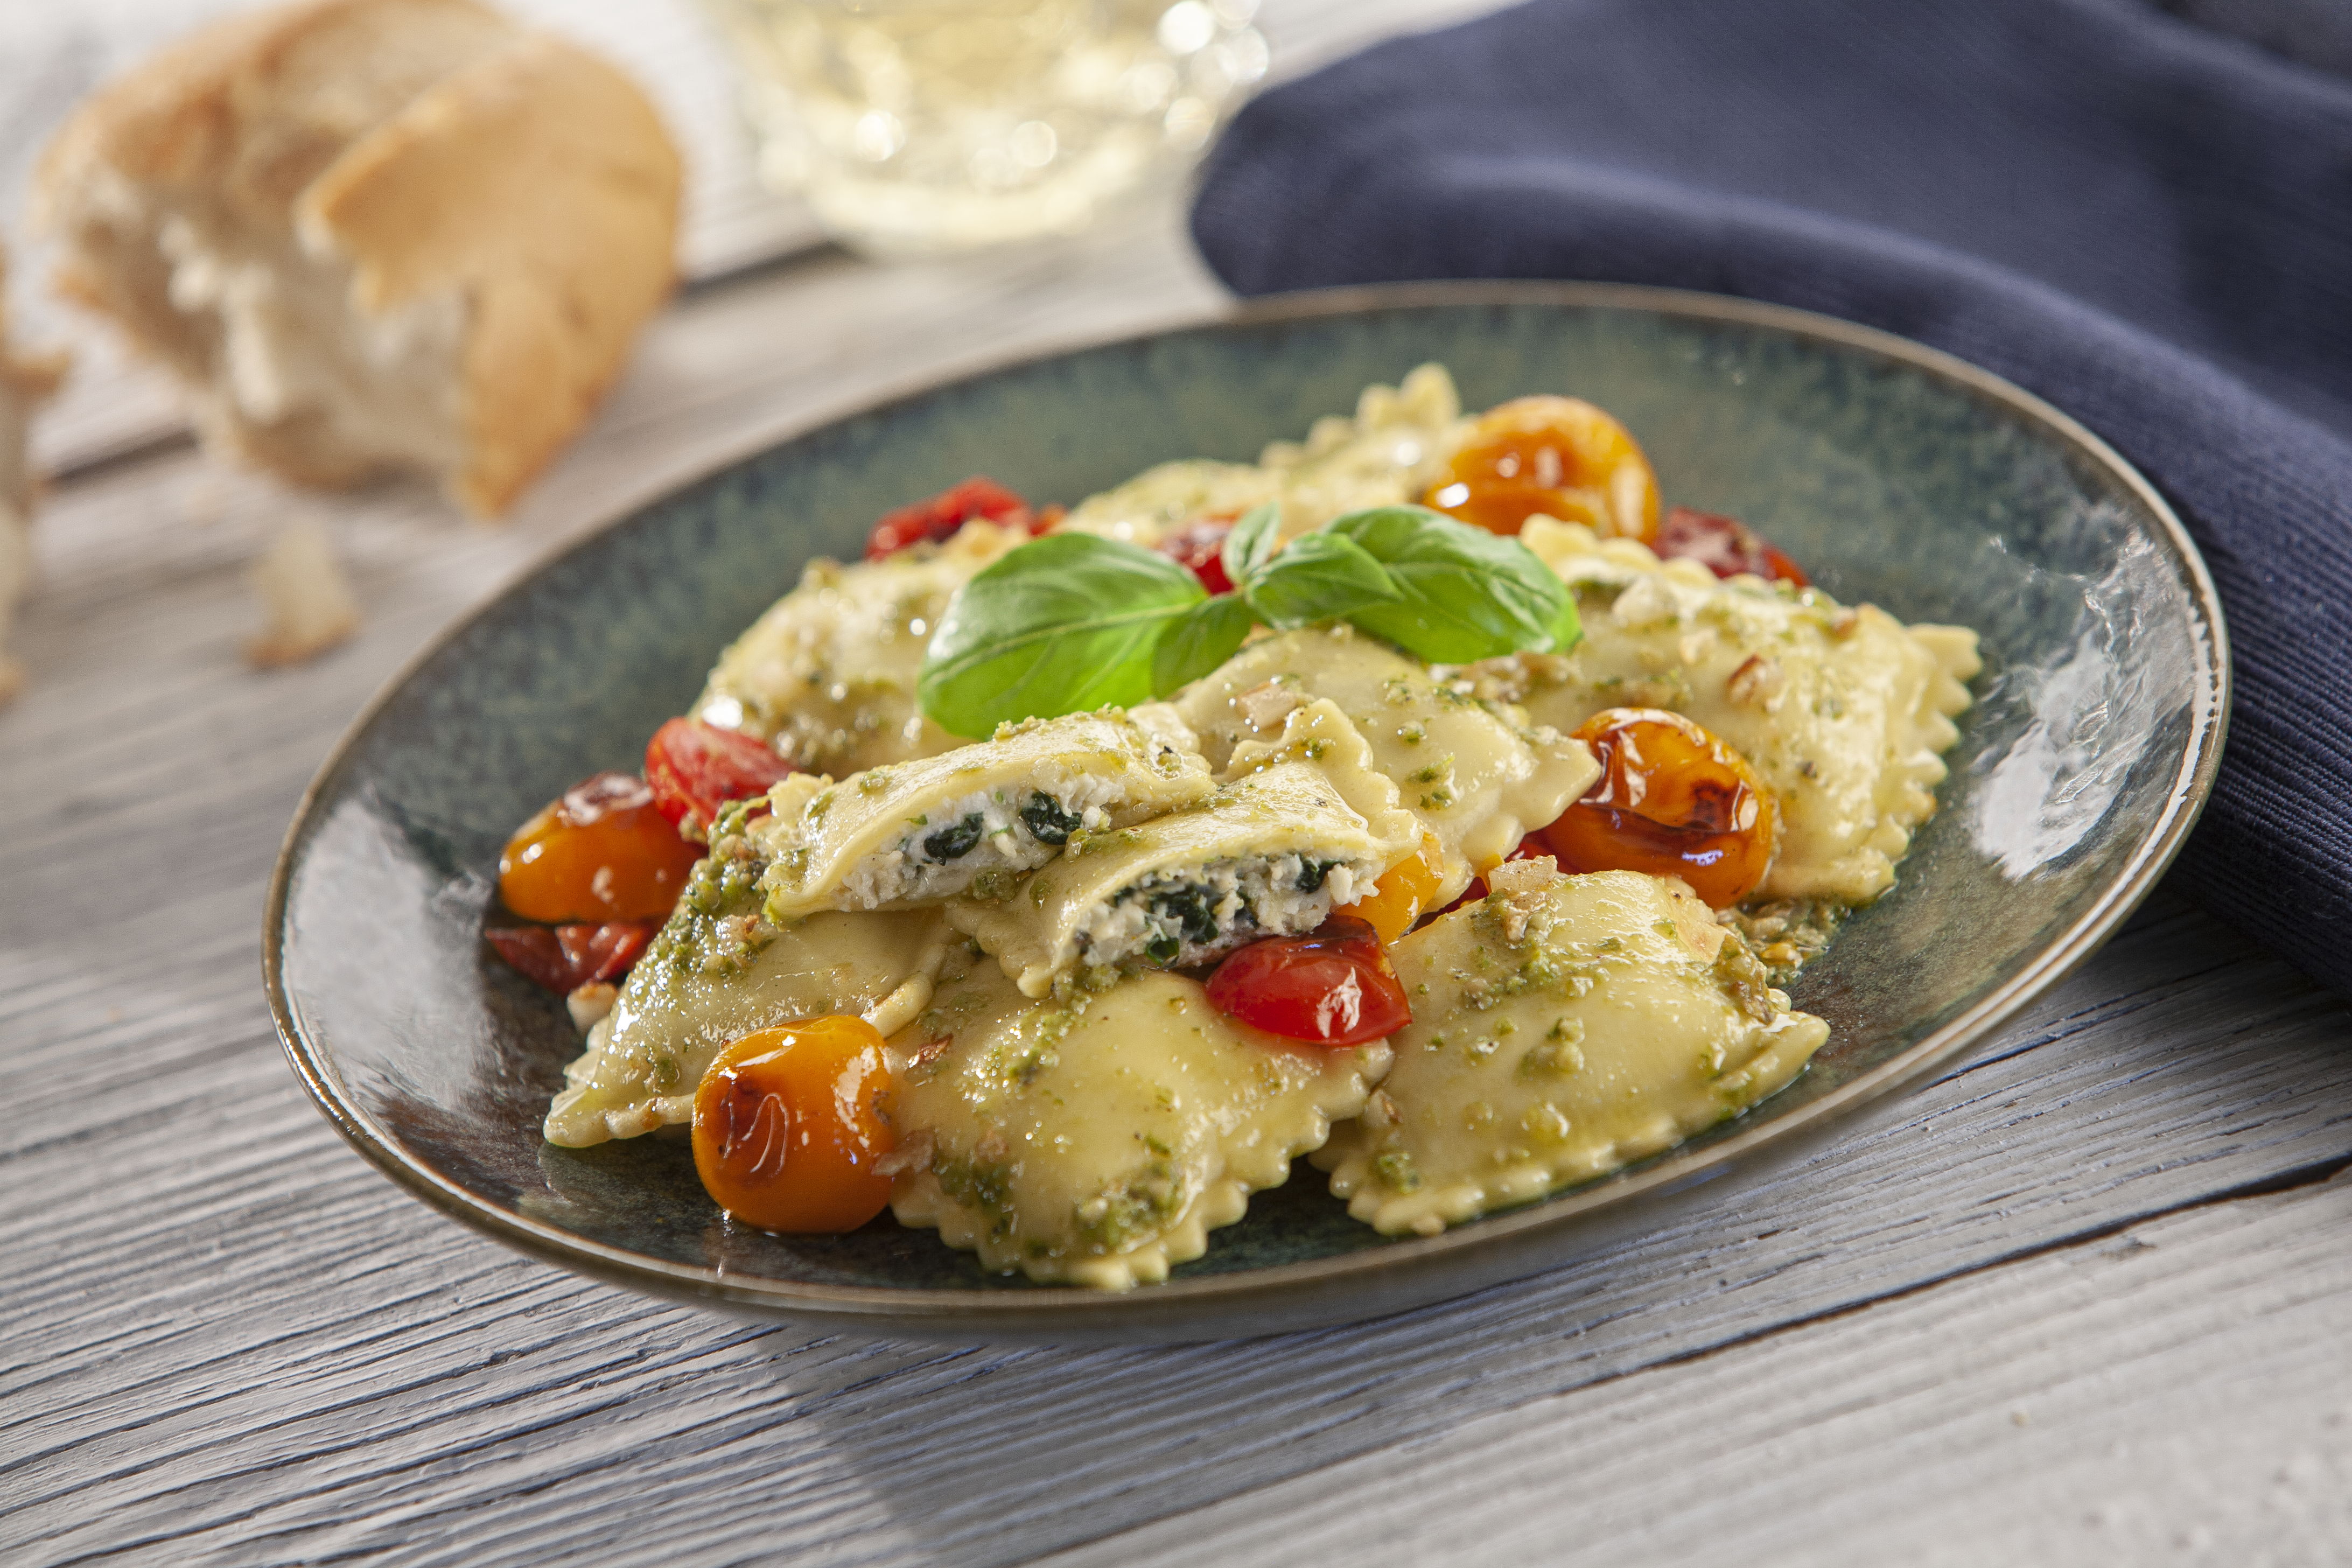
{"type": "Point", "coordinates": [954, 841]}
{"type": "Point", "coordinates": [1048, 822]}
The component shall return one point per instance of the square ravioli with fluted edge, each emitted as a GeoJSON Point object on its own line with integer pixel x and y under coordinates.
{"type": "Point", "coordinates": [1462, 927]}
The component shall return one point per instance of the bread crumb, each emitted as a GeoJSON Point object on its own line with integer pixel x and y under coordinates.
{"type": "Point", "coordinates": [1519, 886]}
{"type": "Point", "coordinates": [306, 597]}
{"type": "Point", "coordinates": [1532, 874]}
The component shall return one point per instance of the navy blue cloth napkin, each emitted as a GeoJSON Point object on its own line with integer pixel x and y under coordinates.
{"type": "Point", "coordinates": [2145, 222]}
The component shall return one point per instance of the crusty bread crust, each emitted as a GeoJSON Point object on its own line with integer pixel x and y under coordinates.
{"type": "Point", "coordinates": [562, 242]}
{"type": "Point", "coordinates": [435, 148]}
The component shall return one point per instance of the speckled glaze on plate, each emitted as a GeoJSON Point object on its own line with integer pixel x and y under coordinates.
{"type": "Point", "coordinates": [1897, 474]}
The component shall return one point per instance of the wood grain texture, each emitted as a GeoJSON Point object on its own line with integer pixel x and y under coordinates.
{"type": "Point", "coordinates": [225, 1340]}
{"type": "Point", "coordinates": [1958, 1425]}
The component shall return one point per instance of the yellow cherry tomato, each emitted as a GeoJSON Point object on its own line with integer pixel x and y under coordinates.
{"type": "Point", "coordinates": [1671, 800]}
{"type": "Point", "coordinates": [603, 852]}
{"type": "Point", "coordinates": [1557, 455]}
{"type": "Point", "coordinates": [790, 1122]}
{"type": "Point", "coordinates": [1404, 894]}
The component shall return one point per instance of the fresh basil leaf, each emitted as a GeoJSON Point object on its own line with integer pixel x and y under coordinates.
{"type": "Point", "coordinates": [1465, 594]}
{"type": "Point", "coordinates": [1317, 577]}
{"type": "Point", "coordinates": [1251, 541]}
{"type": "Point", "coordinates": [1061, 624]}
{"type": "Point", "coordinates": [1197, 641]}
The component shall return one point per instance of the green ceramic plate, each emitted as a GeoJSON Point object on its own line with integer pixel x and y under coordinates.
{"type": "Point", "coordinates": [1898, 475]}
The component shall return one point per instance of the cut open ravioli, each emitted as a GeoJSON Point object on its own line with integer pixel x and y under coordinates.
{"type": "Point", "coordinates": [1842, 712]}
{"type": "Point", "coordinates": [717, 972]}
{"type": "Point", "coordinates": [1098, 1142]}
{"type": "Point", "coordinates": [1476, 773]}
{"type": "Point", "coordinates": [1562, 1027]}
{"type": "Point", "coordinates": [827, 675]}
{"type": "Point", "coordinates": [921, 831]}
{"type": "Point", "coordinates": [1309, 826]}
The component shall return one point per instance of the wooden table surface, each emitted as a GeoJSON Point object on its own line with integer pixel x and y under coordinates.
{"type": "Point", "coordinates": [2086, 1298]}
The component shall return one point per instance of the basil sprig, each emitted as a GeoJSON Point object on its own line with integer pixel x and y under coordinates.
{"type": "Point", "coordinates": [1072, 621]}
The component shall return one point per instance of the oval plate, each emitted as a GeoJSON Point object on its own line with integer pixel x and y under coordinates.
{"type": "Point", "coordinates": [1895, 473]}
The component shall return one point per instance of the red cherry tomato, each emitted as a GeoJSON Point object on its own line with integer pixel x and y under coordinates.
{"type": "Point", "coordinates": [1333, 987]}
{"type": "Point", "coordinates": [937, 517]}
{"type": "Point", "coordinates": [601, 853]}
{"type": "Point", "coordinates": [1726, 546]}
{"type": "Point", "coordinates": [1201, 547]}
{"type": "Point", "coordinates": [695, 768]}
{"type": "Point", "coordinates": [565, 958]}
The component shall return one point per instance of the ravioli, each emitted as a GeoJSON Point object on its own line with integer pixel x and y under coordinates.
{"type": "Point", "coordinates": [1098, 1142]}
{"type": "Point", "coordinates": [1562, 1027]}
{"type": "Point", "coordinates": [1842, 712]}
{"type": "Point", "coordinates": [1476, 773]}
{"type": "Point", "coordinates": [1307, 827]}
{"type": "Point", "coordinates": [827, 675]}
{"type": "Point", "coordinates": [921, 831]}
{"type": "Point", "coordinates": [717, 972]}
{"type": "Point", "coordinates": [1387, 453]}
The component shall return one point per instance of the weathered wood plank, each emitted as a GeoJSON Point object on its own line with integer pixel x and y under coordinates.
{"type": "Point", "coordinates": [341, 1367]}
{"type": "Point", "coordinates": [224, 1339]}
{"type": "Point", "coordinates": [1965, 1425]}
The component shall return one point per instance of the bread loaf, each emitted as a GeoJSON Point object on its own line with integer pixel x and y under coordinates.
{"type": "Point", "coordinates": [24, 380]}
{"type": "Point", "coordinates": [373, 235]}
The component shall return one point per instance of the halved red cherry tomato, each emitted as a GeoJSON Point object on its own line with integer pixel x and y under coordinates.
{"type": "Point", "coordinates": [790, 1122]}
{"type": "Point", "coordinates": [600, 853]}
{"type": "Point", "coordinates": [1671, 800]}
{"type": "Point", "coordinates": [937, 517]}
{"type": "Point", "coordinates": [693, 768]}
{"type": "Point", "coordinates": [1557, 455]}
{"type": "Point", "coordinates": [1334, 987]}
{"type": "Point", "coordinates": [1201, 546]}
{"type": "Point", "coordinates": [1724, 546]}
{"type": "Point", "coordinates": [564, 958]}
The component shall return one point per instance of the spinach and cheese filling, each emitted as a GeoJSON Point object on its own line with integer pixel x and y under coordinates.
{"type": "Point", "coordinates": [720, 970]}
{"type": "Point", "coordinates": [1563, 1027]}
{"type": "Point", "coordinates": [982, 815]}
{"type": "Point", "coordinates": [827, 675]}
{"type": "Point", "coordinates": [1843, 710]}
{"type": "Point", "coordinates": [1272, 853]}
{"type": "Point", "coordinates": [1097, 1140]}
{"type": "Point", "coordinates": [1477, 774]}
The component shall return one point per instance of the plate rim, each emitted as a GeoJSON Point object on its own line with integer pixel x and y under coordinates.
{"type": "Point", "coordinates": [1074, 1312]}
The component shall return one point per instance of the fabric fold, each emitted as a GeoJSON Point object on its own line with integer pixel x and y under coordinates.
{"type": "Point", "coordinates": [2148, 224]}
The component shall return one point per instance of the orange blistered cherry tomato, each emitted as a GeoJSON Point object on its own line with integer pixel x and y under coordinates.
{"type": "Point", "coordinates": [789, 1125]}
{"type": "Point", "coordinates": [1557, 455]}
{"type": "Point", "coordinates": [601, 853]}
{"type": "Point", "coordinates": [1671, 800]}
{"type": "Point", "coordinates": [1405, 892]}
